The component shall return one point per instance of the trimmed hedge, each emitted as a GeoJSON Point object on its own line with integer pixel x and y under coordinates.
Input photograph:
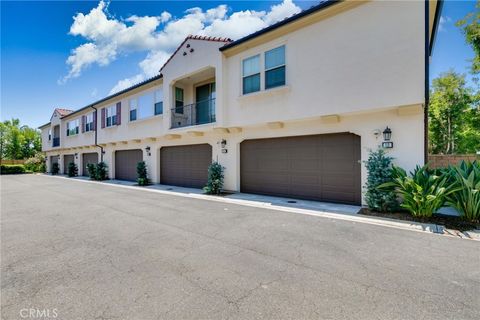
{"type": "Point", "coordinates": [12, 169]}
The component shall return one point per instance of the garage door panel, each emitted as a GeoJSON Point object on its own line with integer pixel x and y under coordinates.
{"type": "Point", "coordinates": [91, 157]}
{"type": "Point", "coordinates": [304, 165]}
{"type": "Point", "coordinates": [67, 159]}
{"type": "Point", "coordinates": [126, 164]}
{"type": "Point", "coordinates": [185, 166]}
{"type": "Point", "coordinates": [319, 167]}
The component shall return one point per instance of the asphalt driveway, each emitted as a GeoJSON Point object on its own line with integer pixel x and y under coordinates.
{"type": "Point", "coordinates": [95, 251]}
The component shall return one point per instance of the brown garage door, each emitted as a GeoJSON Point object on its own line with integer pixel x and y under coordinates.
{"type": "Point", "coordinates": [318, 167]}
{"type": "Point", "coordinates": [66, 160]}
{"type": "Point", "coordinates": [126, 164]}
{"type": "Point", "coordinates": [91, 157]}
{"type": "Point", "coordinates": [185, 166]}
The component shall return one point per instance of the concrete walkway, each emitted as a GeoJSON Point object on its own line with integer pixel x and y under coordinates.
{"type": "Point", "coordinates": [315, 208]}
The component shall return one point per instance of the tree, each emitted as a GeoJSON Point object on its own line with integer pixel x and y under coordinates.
{"type": "Point", "coordinates": [470, 26]}
{"type": "Point", "coordinates": [450, 104]}
{"type": "Point", "coordinates": [18, 142]}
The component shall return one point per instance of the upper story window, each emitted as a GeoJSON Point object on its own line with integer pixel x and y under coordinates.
{"type": "Point", "coordinates": [251, 74]}
{"type": "Point", "coordinates": [89, 122]}
{"type": "Point", "coordinates": [146, 105]}
{"type": "Point", "coordinates": [273, 71]}
{"type": "Point", "coordinates": [133, 109]}
{"type": "Point", "coordinates": [49, 134]}
{"type": "Point", "coordinates": [158, 102]}
{"type": "Point", "coordinates": [72, 127]}
{"type": "Point", "coordinates": [275, 67]}
{"type": "Point", "coordinates": [179, 100]}
{"type": "Point", "coordinates": [110, 116]}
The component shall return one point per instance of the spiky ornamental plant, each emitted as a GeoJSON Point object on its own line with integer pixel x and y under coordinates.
{"type": "Point", "coordinates": [379, 168]}
{"type": "Point", "coordinates": [466, 178]}
{"type": "Point", "coordinates": [72, 169]}
{"type": "Point", "coordinates": [423, 193]}
{"type": "Point", "coordinates": [215, 179]}
{"type": "Point", "coordinates": [142, 173]}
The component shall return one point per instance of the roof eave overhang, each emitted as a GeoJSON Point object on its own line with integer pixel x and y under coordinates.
{"type": "Point", "coordinates": [300, 20]}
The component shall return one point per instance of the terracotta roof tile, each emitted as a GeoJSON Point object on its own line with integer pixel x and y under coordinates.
{"type": "Point", "coordinates": [63, 112]}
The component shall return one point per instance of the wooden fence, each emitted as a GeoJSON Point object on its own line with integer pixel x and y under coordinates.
{"type": "Point", "coordinates": [443, 160]}
{"type": "Point", "coordinates": [5, 161]}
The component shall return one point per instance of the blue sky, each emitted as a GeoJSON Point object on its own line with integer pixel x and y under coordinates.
{"type": "Point", "coordinates": [36, 77]}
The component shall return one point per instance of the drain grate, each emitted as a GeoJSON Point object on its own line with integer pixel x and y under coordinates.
{"type": "Point", "coordinates": [292, 201]}
{"type": "Point", "coordinates": [168, 189]}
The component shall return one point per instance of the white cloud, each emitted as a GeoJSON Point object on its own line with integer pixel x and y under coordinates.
{"type": "Point", "coordinates": [108, 38]}
{"type": "Point", "coordinates": [444, 20]}
{"type": "Point", "coordinates": [127, 82]}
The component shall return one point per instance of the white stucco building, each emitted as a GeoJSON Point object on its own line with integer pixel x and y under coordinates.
{"type": "Point", "coordinates": [291, 110]}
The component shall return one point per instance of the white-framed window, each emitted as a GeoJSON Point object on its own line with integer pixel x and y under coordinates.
{"type": "Point", "coordinates": [49, 134]}
{"type": "Point", "coordinates": [158, 106]}
{"type": "Point", "coordinates": [89, 122]}
{"type": "Point", "coordinates": [110, 116]}
{"type": "Point", "coordinates": [72, 127]}
{"type": "Point", "coordinates": [146, 105]}
{"type": "Point", "coordinates": [271, 70]}
{"type": "Point", "coordinates": [275, 67]}
{"type": "Point", "coordinates": [133, 109]}
{"type": "Point", "coordinates": [251, 74]}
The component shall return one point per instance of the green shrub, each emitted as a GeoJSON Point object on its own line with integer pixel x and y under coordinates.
{"type": "Point", "coordinates": [12, 169]}
{"type": "Point", "coordinates": [142, 173]}
{"type": "Point", "coordinates": [72, 169]}
{"type": "Point", "coordinates": [92, 171]}
{"type": "Point", "coordinates": [55, 168]}
{"type": "Point", "coordinates": [101, 171]}
{"type": "Point", "coordinates": [423, 193]}
{"type": "Point", "coordinates": [36, 163]}
{"type": "Point", "coordinates": [215, 179]}
{"type": "Point", "coordinates": [466, 199]}
{"type": "Point", "coordinates": [379, 171]}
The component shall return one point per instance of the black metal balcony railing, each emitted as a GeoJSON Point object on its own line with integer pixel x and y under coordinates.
{"type": "Point", "coordinates": [193, 114]}
{"type": "Point", "coordinates": [56, 142]}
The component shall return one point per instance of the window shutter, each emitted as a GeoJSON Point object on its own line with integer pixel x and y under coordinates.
{"type": "Point", "coordinates": [119, 113]}
{"type": "Point", "coordinates": [103, 118]}
{"type": "Point", "coordinates": [94, 120]}
{"type": "Point", "coordinates": [83, 123]}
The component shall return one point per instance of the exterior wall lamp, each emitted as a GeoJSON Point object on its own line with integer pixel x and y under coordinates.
{"type": "Point", "coordinates": [223, 144]}
{"type": "Point", "coordinates": [76, 155]}
{"type": "Point", "coordinates": [147, 149]}
{"type": "Point", "coordinates": [387, 135]}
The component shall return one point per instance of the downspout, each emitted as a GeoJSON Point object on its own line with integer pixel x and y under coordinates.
{"type": "Point", "coordinates": [96, 129]}
{"type": "Point", "coordinates": [427, 80]}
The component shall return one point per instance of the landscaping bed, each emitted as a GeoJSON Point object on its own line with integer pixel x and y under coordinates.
{"type": "Point", "coordinates": [450, 222]}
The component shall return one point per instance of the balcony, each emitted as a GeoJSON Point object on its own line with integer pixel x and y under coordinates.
{"type": "Point", "coordinates": [56, 142]}
{"type": "Point", "coordinates": [201, 112]}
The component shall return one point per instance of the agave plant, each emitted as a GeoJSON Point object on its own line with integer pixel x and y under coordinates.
{"type": "Point", "coordinates": [423, 193]}
{"type": "Point", "coordinates": [466, 179]}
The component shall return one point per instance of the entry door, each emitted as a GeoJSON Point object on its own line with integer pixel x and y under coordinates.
{"type": "Point", "coordinates": [205, 105]}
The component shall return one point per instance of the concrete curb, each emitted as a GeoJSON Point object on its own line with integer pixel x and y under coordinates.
{"type": "Point", "coordinates": [379, 221]}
